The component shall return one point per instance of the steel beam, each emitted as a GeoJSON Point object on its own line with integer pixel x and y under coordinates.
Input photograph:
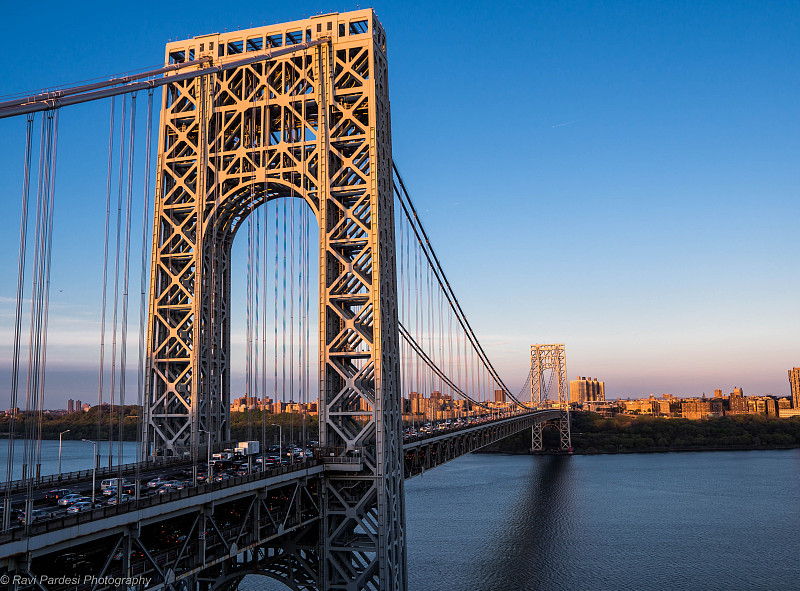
{"type": "Point", "coordinates": [313, 125]}
{"type": "Point", "coordinates": [550, 357]}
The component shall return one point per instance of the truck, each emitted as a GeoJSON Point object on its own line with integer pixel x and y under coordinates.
{"type": "Point", "coordinates": [247, 448]}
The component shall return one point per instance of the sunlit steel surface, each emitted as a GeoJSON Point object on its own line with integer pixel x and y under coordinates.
{"type": "Point", "coordinates": [553, 358]}
{"type": "Point", "coordinates": [312, 125]}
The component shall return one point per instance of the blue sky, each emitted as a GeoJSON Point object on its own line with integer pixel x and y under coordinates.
{"type": "Point", "coordinates": [618, 176]}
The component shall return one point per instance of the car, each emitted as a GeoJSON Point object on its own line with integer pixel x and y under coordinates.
{"type": "Point", "coordinates": [67, 500]}
{"type": "Point", "coordinates": [113, 483]}
{"type": "Point", "coordinates": [80, 507]}
{"type": "Point", "coordinates": [171, 486]}
{"type": "Point", "coordinates": [36, 515]}
{"type": "Point", "coordinates": [157, 482]}
{"type": "Point", "coordinates": [119, 499]}
{"type": "Point", "coordinates": [53, 496]}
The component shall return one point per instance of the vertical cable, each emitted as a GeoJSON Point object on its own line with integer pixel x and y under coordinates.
{"type": "Point", "coordinates": [143, 283]}
{"type": "Point", "coordinates": [53, 149]}
{"type": "Point", "coordinates": [32, 339]}
{"type": "Point", "coordinates": [116, 285]}
{"type": "Point", "coordinates": [105, 281]}
{"type": "Point", "coordinates": [23, 233]}
{"type": "Point", "coordinates": [125, 274]}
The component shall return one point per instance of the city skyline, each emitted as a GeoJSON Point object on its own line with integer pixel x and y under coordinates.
{"type": "Point", "coordinates": [649, 171]}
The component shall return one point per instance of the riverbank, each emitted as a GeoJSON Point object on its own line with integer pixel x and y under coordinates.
{"type": "Point", "coordinates": [594, 434]}
{"type": "Point", "coordinates": [84, 425]}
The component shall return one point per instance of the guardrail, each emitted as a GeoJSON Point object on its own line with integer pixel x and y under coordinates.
{"type": "Point", "coordinates": [80, 475]}
{"type": "Point", "coordinates": [471, 426]}
{"type": "Point", "coordinates": [135, 505]}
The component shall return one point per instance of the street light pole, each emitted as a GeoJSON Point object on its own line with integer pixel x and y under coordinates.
{"type": "Point", "coordinates": [208, 459]}
{"type": "Point", "coordinates": [94, 466]}
{"type": "Point", "coordinates": [280, 440]}
{"type": "Point", "coordinates": [59, 450]}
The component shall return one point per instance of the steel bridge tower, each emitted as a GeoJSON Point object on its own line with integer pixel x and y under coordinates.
{"type": "Point", "coordinates": [311, 124]}
{"type": "Point", "coordinates": [554, 358]}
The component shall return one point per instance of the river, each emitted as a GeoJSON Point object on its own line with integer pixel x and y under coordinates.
{"type": "Point", "coordinates": [75, 455]}
{"type": "Point", "coordinates": [727, 521]}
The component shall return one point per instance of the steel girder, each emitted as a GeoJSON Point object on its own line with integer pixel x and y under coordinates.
{"type": "Point", "coordinates": [430, 452]}
{"type": "Point", "coordinates": [314, 125]}
{"type": "Point", "coordinates": [554, 358]}
{"type": "Point", "coordinates": [271, 531]}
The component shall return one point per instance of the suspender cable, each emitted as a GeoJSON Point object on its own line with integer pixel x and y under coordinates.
{"type": "Point", "coordinates": [33, 339]}
{"type": "Point", "coordinates": [125, 273]}
{"type": "Point", "coordinates": [53, 149]}
{"type": "Point", "coordinates": [34, 393]}
{"type": "Point", "coordinates": [26, 174]}
{"type": "Point", "coordinates": [264, 140]}
{"type": "Point", "coordinates": [434, 368]}
{"type": "Point", "coordinates": [105, 280]}
{"type": "Point", "coordinates": [116, 285]}
{"type": "Point", "coordinates": [143, 290]}
{"type": "Point", "coordinates": [419, 230]}
{"type": "Point", "coordinates": [291, 316]}
{"type": "Point", "coordinates": [44, 285]}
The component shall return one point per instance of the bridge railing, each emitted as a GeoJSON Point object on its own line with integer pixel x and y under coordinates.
{"type": "Point", "coordinates": [339, 455]}
{"type": "Point", "coordinates": [66, 478]}
{"type": "Point", "coordinates": [45, 526]}
{"type": "Point", "coordinates": [470, 426]}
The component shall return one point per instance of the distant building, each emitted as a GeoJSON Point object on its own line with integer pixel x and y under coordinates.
{"type": "Point", "coordinates": [499, 396]}
{"type": "Point", "coordinates": [78, 406]}
{"type": "Point", "coordinates": [86, 407]}
{"type": "Point", "coordinates": [794, 385]}
{"type": "Point", "coordinates": [718, 393]}
{"type": "Point", "coordinates": [696, 408]}
{"type": "Point", "coordinates": [586, 390]}
{"type": "Point", "coordinates": [738, 403]}
{"type": "Point", "coordinates": [642, 406]}
{"type": "Point", "coordinates": [70, 405]}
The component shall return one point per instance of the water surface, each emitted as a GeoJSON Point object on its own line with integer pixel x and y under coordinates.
{"type": "Point", "coordinates": [727, 521]}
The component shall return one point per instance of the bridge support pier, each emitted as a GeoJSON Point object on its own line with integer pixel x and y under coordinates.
{"type": "Point", "coordinates": [536, 439]}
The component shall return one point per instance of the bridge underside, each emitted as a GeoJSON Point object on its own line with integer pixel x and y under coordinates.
{"type": "Point", "coordinates": [253, 526]}
{"type": "Point", "coordinates": [183, 540]}
{"type": "Point", "coordinates": [433, 451]}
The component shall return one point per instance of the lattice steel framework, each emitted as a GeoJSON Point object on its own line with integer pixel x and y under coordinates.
{"type": "Point", "coordinates": [553, 358]}
{"type": "Point", "coordinates": [312, 125]}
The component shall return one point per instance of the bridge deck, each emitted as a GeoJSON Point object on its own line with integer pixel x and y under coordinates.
{"type": "Point", "coordinates": [245, 513]}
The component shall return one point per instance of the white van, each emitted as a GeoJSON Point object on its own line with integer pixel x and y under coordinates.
{"type": "Point", "coordinates": [112, 483]}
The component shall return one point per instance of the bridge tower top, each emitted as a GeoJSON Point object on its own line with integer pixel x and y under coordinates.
{"type": "Point", "coordinates": [234, 45]}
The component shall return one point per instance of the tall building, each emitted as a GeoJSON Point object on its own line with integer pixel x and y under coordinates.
{"type": "Point", "coordinates": [718, 393]}
{"type": "Point", "coordinates": [586, 390]}
{"type": "Point", "coordinates": [70, 405]}
{"type": "Point", "coordinates": [78, 406]}
{"type": "Point", "coordinates": [499, 396]}
{"type": "Point", "coordinates": [794, 385]}
{"type": "Point", "coordinates": [738, 403]}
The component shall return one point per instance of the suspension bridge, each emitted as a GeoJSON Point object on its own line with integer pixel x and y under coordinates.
{"type": "Point", "coordinates": [281, 132]}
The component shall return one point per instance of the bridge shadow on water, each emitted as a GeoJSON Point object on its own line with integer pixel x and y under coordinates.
{"type": "Point", "coordinates": [527, 548]}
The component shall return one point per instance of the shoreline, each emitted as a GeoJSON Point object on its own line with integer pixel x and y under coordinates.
{"type": "Point", "coordinates": [638, 451]}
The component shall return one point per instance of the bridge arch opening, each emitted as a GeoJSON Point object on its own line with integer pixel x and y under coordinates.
{"type": "Point", "coordinates": [273, 306]}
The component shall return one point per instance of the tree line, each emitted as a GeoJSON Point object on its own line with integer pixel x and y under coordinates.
{"type": "Point", "coordinates": [594, 433]}
{"type": "Point", "coordinates": [83, 425]}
